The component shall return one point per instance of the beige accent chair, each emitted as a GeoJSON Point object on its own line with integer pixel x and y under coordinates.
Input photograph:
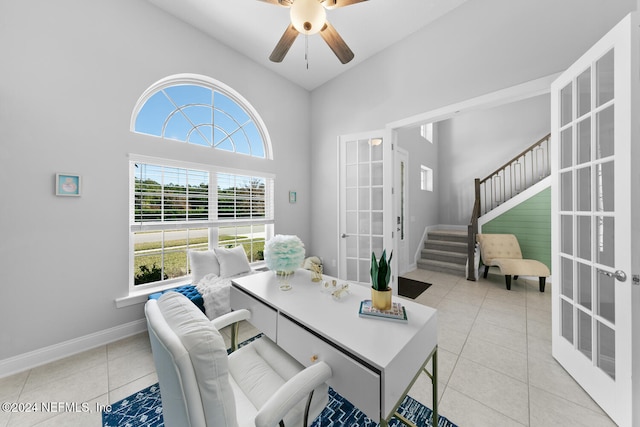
{"type": "Point", "coordinates": [258, 385]}
{"type": "Point", "coordinates": [503, 251]}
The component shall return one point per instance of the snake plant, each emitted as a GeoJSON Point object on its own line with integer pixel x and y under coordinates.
{"type": "Point", "coordinates": [381, 271]}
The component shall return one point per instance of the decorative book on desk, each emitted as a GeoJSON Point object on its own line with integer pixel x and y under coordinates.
{"type": "Point", "coordinates": [396, 313]}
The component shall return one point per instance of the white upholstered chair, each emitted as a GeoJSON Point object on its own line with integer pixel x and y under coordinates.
{"type": "Point", "coordinates": [200, 385]}
{"type": "Point", "coordinates": [503, 251]}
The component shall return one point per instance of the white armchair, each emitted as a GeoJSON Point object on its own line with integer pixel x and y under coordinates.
{"type": "Point", "coordinates": [200, 385]}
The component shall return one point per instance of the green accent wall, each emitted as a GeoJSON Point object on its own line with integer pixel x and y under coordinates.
{"type": "Point", "coordinates": [530, 221]}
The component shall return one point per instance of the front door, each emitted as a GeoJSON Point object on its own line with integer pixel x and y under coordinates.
{"type": "Point", "coordinates": [594, 110]}
{"type": "Point", "coordinates": [364, 203]}
{"type": "Point", "coordinates": [401, 172]}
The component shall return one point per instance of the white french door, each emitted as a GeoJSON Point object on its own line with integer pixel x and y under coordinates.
{"type": "Point", "coordinates": [364, 203]}
{"type": "Point", "coordinates": [593, 114]}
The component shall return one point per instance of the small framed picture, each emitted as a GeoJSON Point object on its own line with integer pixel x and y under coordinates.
{"type": "Point", "coordinates": [68, 184]}
{"type": "Point", "coordinates": [292, 197]}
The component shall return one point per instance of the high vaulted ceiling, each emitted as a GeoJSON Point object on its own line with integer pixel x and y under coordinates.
{"type": "Point", "coordinates": [253, 28]}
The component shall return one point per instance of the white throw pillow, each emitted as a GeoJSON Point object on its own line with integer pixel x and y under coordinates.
{"type": "Point", "coordinates": [203, 263]}
{"type": "Point", "coordinates": [232, 261]}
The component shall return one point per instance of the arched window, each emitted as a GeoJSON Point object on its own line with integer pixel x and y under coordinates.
{"type": "Point", "coordinates": [201, 111]}
{"type": "Point", "coordinates": [177, 206]}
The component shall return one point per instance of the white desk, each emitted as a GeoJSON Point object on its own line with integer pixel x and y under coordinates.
{"type": "Point", "coordinates": [374, 362]}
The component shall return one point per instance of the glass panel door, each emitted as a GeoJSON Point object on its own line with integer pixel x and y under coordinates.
{"type": "Point", "coordinates": [361, 206]}
{"type": "Point", "coordinates": [592, 109]}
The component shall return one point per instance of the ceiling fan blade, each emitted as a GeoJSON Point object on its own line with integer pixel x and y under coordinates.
{"type": "Point", "coordinates": [284, 44]}
{"type": "Point", "coordinates": [336, 43]}
{"type": "Point", "coordinates": [334, 4]}
{"type": "Point", "coordinates": [285, 3]}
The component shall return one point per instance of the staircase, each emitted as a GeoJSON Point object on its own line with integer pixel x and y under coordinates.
{"type": "Point", "coordinates": [445, 251]}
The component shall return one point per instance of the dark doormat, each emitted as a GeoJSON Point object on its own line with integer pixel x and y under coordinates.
{"type": "Point", "coordinates": [411, 288]}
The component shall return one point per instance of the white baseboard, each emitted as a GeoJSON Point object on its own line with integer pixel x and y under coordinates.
{"type": "Point", "coordinates": [30, 360]}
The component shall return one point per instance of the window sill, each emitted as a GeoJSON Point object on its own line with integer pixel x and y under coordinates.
{"type": "Point", "coordinates": [141, 296]}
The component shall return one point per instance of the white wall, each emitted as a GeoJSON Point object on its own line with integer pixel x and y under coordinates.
{"type": "Point", "coordinates": [476, 144]}
{"type": "Point", "coordinates": [71, 73]}
{"type": "Point", "coordinates": [423, 205]}
{"type": "Point", "coordinates": [481, 47]}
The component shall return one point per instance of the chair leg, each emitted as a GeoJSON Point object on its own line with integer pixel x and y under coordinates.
{"type": "Point", "coordinates": [542, 283]}
{"type": "Point", "coordinates": [306, 409]}
{"type": "Point", "coordinates": [486, 270]}
{"type": "Point", "coordinates": [507, 279]}
{"type": "Point", "coordinates": [515, 277]}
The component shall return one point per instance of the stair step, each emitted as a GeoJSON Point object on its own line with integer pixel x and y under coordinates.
{"type": "Point", "coordinates": [443, 245]}
{"type": "Point", "coordinates": [445, 250]}
{"type": "Point", "coordinates": [448, 256]}
{"type": "Point", "coordinates": [448, 235]}
{"type": "Point", "coordinates": [442, 266]}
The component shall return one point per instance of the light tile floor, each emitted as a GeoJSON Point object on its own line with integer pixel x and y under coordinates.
{"type": "Point", "coordinates": [495, 365]}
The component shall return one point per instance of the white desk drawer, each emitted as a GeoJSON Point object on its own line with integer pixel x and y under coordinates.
{"type": "Point", "coordinates": [263, 317]}
{"type": "Point", "coordinates": [354, 381]}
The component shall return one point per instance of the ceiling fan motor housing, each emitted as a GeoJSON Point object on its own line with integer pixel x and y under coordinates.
{"type": "Point", "coordinates": [308, 16]}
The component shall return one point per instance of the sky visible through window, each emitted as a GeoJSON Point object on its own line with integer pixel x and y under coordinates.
{"type": "Point", "coordinates": [201, 116]}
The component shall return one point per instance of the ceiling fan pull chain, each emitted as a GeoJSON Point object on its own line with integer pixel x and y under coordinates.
{"type": "Point", "coordinates": [306, 49]}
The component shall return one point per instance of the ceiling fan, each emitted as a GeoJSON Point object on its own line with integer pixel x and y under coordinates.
{"type": "Point", "coordinates": [309, 17]}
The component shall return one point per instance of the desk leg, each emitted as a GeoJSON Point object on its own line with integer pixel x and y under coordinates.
{"type": "Point", "coordinates": [434, 384]}
{"type": "Point", "coordinates": [433, 375]}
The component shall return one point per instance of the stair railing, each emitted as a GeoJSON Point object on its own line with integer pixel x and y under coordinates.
{"type": "Point", "coordinates": [515, 176]}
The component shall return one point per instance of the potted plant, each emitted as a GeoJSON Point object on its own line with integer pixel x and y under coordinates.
{"type": "Point", "coordinates": [380, 277]}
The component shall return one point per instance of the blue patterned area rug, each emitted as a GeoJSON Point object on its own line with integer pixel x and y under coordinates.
{"type": "Point", "coordinates": [144, 409]}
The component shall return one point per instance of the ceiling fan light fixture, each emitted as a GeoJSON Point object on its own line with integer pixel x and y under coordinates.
{"type": "Point", "coordinates": [308, 16]}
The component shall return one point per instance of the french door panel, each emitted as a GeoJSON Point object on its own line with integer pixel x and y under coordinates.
{"type": "Point", "coordinates": [592, 104]}
{"type": "Point", "coordinates": [363, 198]}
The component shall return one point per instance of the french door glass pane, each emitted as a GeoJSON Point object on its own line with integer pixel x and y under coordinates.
{"type": "Point", "coordinates": [567, 321]}
{"type": "Point", "coordinates": [352, 199]}
{"type": "Point", "coordinates": [584, 92]}
{"type": "Point", "coordinates": [606, 297]}
{"type": "Point", "coordinates": [566, 104]}
{"type": "Point", "coordinates": [363, 151]}
{"type": "Point", "coordinates": [584, 141]}
{"type": "Point", "coordinates": [604, 133]}
{"type": "Point", "coordinates": [604, 78]}
{"type": "Point", "coordinates": [567, 234]}
{"type": "Point", "coordinates": [567, 278]}
{"type": "Point", "coordinates": [605, 190]}
{"type": "Point", "coordinates": [584, 334]}
{"type": "Point", "coordinates": [352, 223]}
{"type": "Point", "coordinates": [566, 193]}
{"type": "Point", "coordinates": [352, 176]}
{"type": "Point", "coordinates": [584, 189]}
{"type": "Point", "coordinates": [376, 223]}
{"type": "Point", "coordinates": [607, 350]}
{"type": "Point", "coordinates": [376, 247]}
{"type": "Point", "coordinates": [364, 223]}
{"type": "Point", "coordinates": [606, 241]}
{"type": "Point", "coordinates": [363, 175]}
{"type": "Point", "coordinates": [584, 285]}
{"type": "Point", "coordinates": [363, 198]}
{"type": "Point", "coordinates": [376, 199]}
{"type": "Point", "coordinates": [376, 151]}
{"type": "Point", "coordinates": [376, 173]}
{"type": "Point", "coordinates": [584, 237]}
{"type": "Point", "coordinates": [352, 248]}
{"type": "Point", "coordinates": [566, 148]}
{"type": "Point", "coordinates": [364, 248]}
